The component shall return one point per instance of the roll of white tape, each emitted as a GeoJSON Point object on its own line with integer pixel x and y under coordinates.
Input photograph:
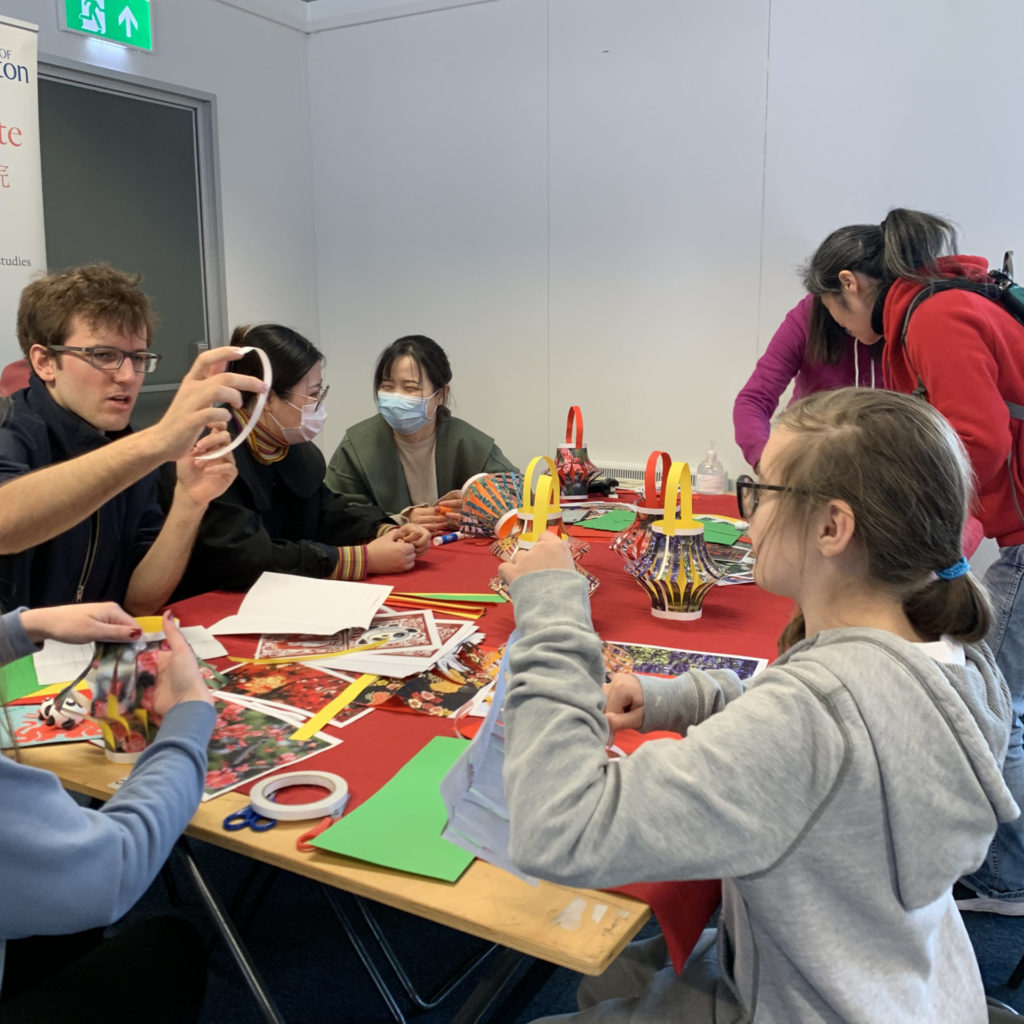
{"type": "Point", "coordinates": [329, 806]}
{"type": "Point", "coordinates": [261, 400]}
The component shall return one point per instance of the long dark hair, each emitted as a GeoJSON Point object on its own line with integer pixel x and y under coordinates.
{"type": "Point", "coordinates": [906, 244]}
{"type": "Point", "coordinates": [291, 355]}
{"type": "Point", "coordinates": [827, 342]}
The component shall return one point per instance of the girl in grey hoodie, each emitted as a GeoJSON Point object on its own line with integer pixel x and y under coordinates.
{"type": "Point", "coordinates": [840, 794]}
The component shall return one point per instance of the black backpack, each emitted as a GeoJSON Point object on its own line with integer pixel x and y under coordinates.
{"type": "Point", "coordinates": [1000, 287]}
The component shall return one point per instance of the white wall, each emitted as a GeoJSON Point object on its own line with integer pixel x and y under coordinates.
{"type": "Point", "coordinates": [605, 202]}
{"type": "Point", "coordinates": [600, 202]}
{"type": "Point", "coordinates": [538, 186]}
{"type": "Point", "coordinates": [904, 104]}
{"type": "Point", "coordinates": [257, 71]}
{"type": "Point", "coordinates": [430, 183]}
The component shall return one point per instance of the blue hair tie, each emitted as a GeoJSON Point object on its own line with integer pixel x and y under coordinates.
{"type": "Point", "coordinates": [956, 569]}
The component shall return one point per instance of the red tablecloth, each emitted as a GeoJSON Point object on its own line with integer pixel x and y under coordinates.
{"type": "Point", "coordinates": [736, 620]}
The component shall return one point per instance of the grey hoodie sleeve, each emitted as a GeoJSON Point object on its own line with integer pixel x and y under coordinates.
{"type": "Point", "coordinates": [729, 800]}
{"type": "Point", "coordinates": [676, 704]}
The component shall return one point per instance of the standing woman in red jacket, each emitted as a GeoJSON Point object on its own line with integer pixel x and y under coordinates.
{"type": "Point", "coordinates": [964, 353]}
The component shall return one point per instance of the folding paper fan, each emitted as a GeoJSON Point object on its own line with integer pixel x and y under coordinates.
{"type": "Point", "coordinates": [489, 503]}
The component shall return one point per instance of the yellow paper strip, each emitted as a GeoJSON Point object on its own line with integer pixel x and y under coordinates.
{"type": "Point", "coordinates": [322, 717]}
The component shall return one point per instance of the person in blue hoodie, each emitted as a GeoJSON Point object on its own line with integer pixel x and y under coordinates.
{"type": "Point", "coordinates": [839, 795]}
{"type": "Point", "coordinates": [69, 870]}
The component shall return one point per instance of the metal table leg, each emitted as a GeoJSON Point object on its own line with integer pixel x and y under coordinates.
{"type": "Point", "coordinates": [229, 934]}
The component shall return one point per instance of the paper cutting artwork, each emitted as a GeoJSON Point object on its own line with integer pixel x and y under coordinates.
{"type": "Point", "coordinates": [120, 679]}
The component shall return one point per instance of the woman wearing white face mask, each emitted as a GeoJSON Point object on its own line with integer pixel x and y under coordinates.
{"type": "Point", "coordinates": [414, 456]}
{"type": "Point", "coordinates": [278, 516]}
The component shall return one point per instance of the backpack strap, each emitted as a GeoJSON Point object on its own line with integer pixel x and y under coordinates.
{"type": "Point", "coordinates": [990, 290]}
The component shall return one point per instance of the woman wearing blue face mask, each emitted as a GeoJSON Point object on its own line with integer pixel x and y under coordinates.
{"type": "Point", "coordinates": [277, 515]}
{"type": "Point", "coordinates": [413, 457]}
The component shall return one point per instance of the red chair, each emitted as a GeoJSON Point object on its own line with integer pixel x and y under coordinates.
{"type": "Point", "coordinates": [14, 377]}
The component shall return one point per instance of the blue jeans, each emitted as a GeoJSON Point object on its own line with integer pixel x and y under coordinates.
{"type": "Point", "coordinates": [1002, 874]}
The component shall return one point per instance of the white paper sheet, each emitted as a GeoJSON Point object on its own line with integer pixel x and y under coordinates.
{"type": "Point", "coordinates": [280, 603]}
{"type": "Point", "coordinates": [58, 662]}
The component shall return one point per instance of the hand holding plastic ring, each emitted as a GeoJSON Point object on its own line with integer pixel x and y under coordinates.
{"type": "Point", "coordinates": [261, 400]}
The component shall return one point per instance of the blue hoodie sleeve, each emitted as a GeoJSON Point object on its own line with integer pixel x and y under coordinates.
{"type": "Point", "coordinates": [66, 867]}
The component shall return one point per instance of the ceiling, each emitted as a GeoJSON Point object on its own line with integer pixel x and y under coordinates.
{"type": "Point", "coordinates": [312, 16]}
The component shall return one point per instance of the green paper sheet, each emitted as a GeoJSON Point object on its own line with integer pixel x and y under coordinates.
{"type": "Point", "coordinates": [400, 825]}
{"type": "Point", "coordinates": [18, 679]}
{"type": "Point", "coordinates": [467, 598]}
{"type": "Point", "coordinates": [717, 532]}
{"type": "Point", "coordinates": [614, 520]}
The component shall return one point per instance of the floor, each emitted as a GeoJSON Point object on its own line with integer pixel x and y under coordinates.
{"type": "Point", "coordinates": [308, 964]}
{"type": "Point", "coordinates": [315, 977]}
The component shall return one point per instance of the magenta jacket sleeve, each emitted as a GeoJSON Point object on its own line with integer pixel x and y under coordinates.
{"type": "Point", "coordinates": [759, 398]}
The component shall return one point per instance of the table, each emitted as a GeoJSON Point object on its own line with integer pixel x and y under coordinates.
{"type": "Point", "coordinates": [485, 901]}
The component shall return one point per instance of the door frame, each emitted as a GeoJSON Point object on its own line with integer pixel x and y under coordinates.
{"type": "Point", "coordinates": [203, 106]}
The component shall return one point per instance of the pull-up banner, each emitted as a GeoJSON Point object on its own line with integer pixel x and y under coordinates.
{"type": "Point", "coordinates": [22, 242]}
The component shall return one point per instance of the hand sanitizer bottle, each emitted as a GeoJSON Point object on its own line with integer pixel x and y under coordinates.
{"type": "Point", "coordinates": [710, 477]}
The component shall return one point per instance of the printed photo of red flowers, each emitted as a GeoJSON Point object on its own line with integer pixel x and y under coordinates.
{"type": "Point", "coordinates": [247, 743]}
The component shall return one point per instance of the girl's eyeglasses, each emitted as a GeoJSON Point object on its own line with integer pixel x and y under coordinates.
{"type": "Point", "coordinates": [318, 397]}
{"type": "Point", "coordinates": [748, 494]}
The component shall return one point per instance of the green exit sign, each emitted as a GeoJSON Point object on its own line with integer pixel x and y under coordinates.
{"type": "Point", "coordinates": [127, 22]}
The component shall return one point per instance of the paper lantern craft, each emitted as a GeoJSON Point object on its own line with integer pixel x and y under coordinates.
{"type": "Point", "coordinates": [121, 677]}
{"type": "Point", "coordinates": [632, 542]}
{"type": "Point", "coordinates": [575, 470]}
{"type": "Point", "coordinates": [541, 511]}
{"type": "Point", "coordinates": [676, 569]}
{"type": "Point", "coordinates": [490, 502]}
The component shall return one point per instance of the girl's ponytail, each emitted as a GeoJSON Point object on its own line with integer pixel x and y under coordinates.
{"type": "Point", "coordinates": [794, 631]}
{"type": "Point", "coordinates": [905, 475]}
{"type": "Point", "coordinates": [912, 243]}
{"type": "Point", "coordinates": [907, 243]}
{"type": "Point", "coordinates": [958, 608]}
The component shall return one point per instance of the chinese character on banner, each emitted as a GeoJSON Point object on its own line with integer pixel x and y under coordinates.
{"type": "Point", "coordinates": [5, 178]}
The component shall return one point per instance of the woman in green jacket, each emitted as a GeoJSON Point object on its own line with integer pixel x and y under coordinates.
{"type": "Point", "coordinates": [413, 457]}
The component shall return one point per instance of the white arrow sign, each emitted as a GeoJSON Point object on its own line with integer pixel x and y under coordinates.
{"type": "Point", "coordinates": [128, 20]}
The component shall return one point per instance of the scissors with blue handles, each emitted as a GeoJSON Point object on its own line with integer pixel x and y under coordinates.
{"type": "Point", "coordinates": [248, 818]}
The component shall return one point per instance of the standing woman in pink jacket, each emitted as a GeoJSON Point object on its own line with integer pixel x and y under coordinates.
{"type": "Point", "coordinates": [810, 349]}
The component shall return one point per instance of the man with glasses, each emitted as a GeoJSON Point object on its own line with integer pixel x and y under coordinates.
{"type": "Point", "coordinates": [79, 517]}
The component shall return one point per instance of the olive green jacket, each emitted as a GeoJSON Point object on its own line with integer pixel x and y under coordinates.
{"type": "Point", "coordinates": [366, 470]}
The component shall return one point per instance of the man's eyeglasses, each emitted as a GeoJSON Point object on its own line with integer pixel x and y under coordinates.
{"type": "Point", "coordinates": [748, 494]}
{"type": "Point", "coordinates": [318, 397]}
{"type": "Point", "coordinates": [111, 359]}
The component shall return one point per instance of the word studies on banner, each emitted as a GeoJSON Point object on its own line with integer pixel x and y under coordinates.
{"type": "Point", "coordinates": [22, 242]}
